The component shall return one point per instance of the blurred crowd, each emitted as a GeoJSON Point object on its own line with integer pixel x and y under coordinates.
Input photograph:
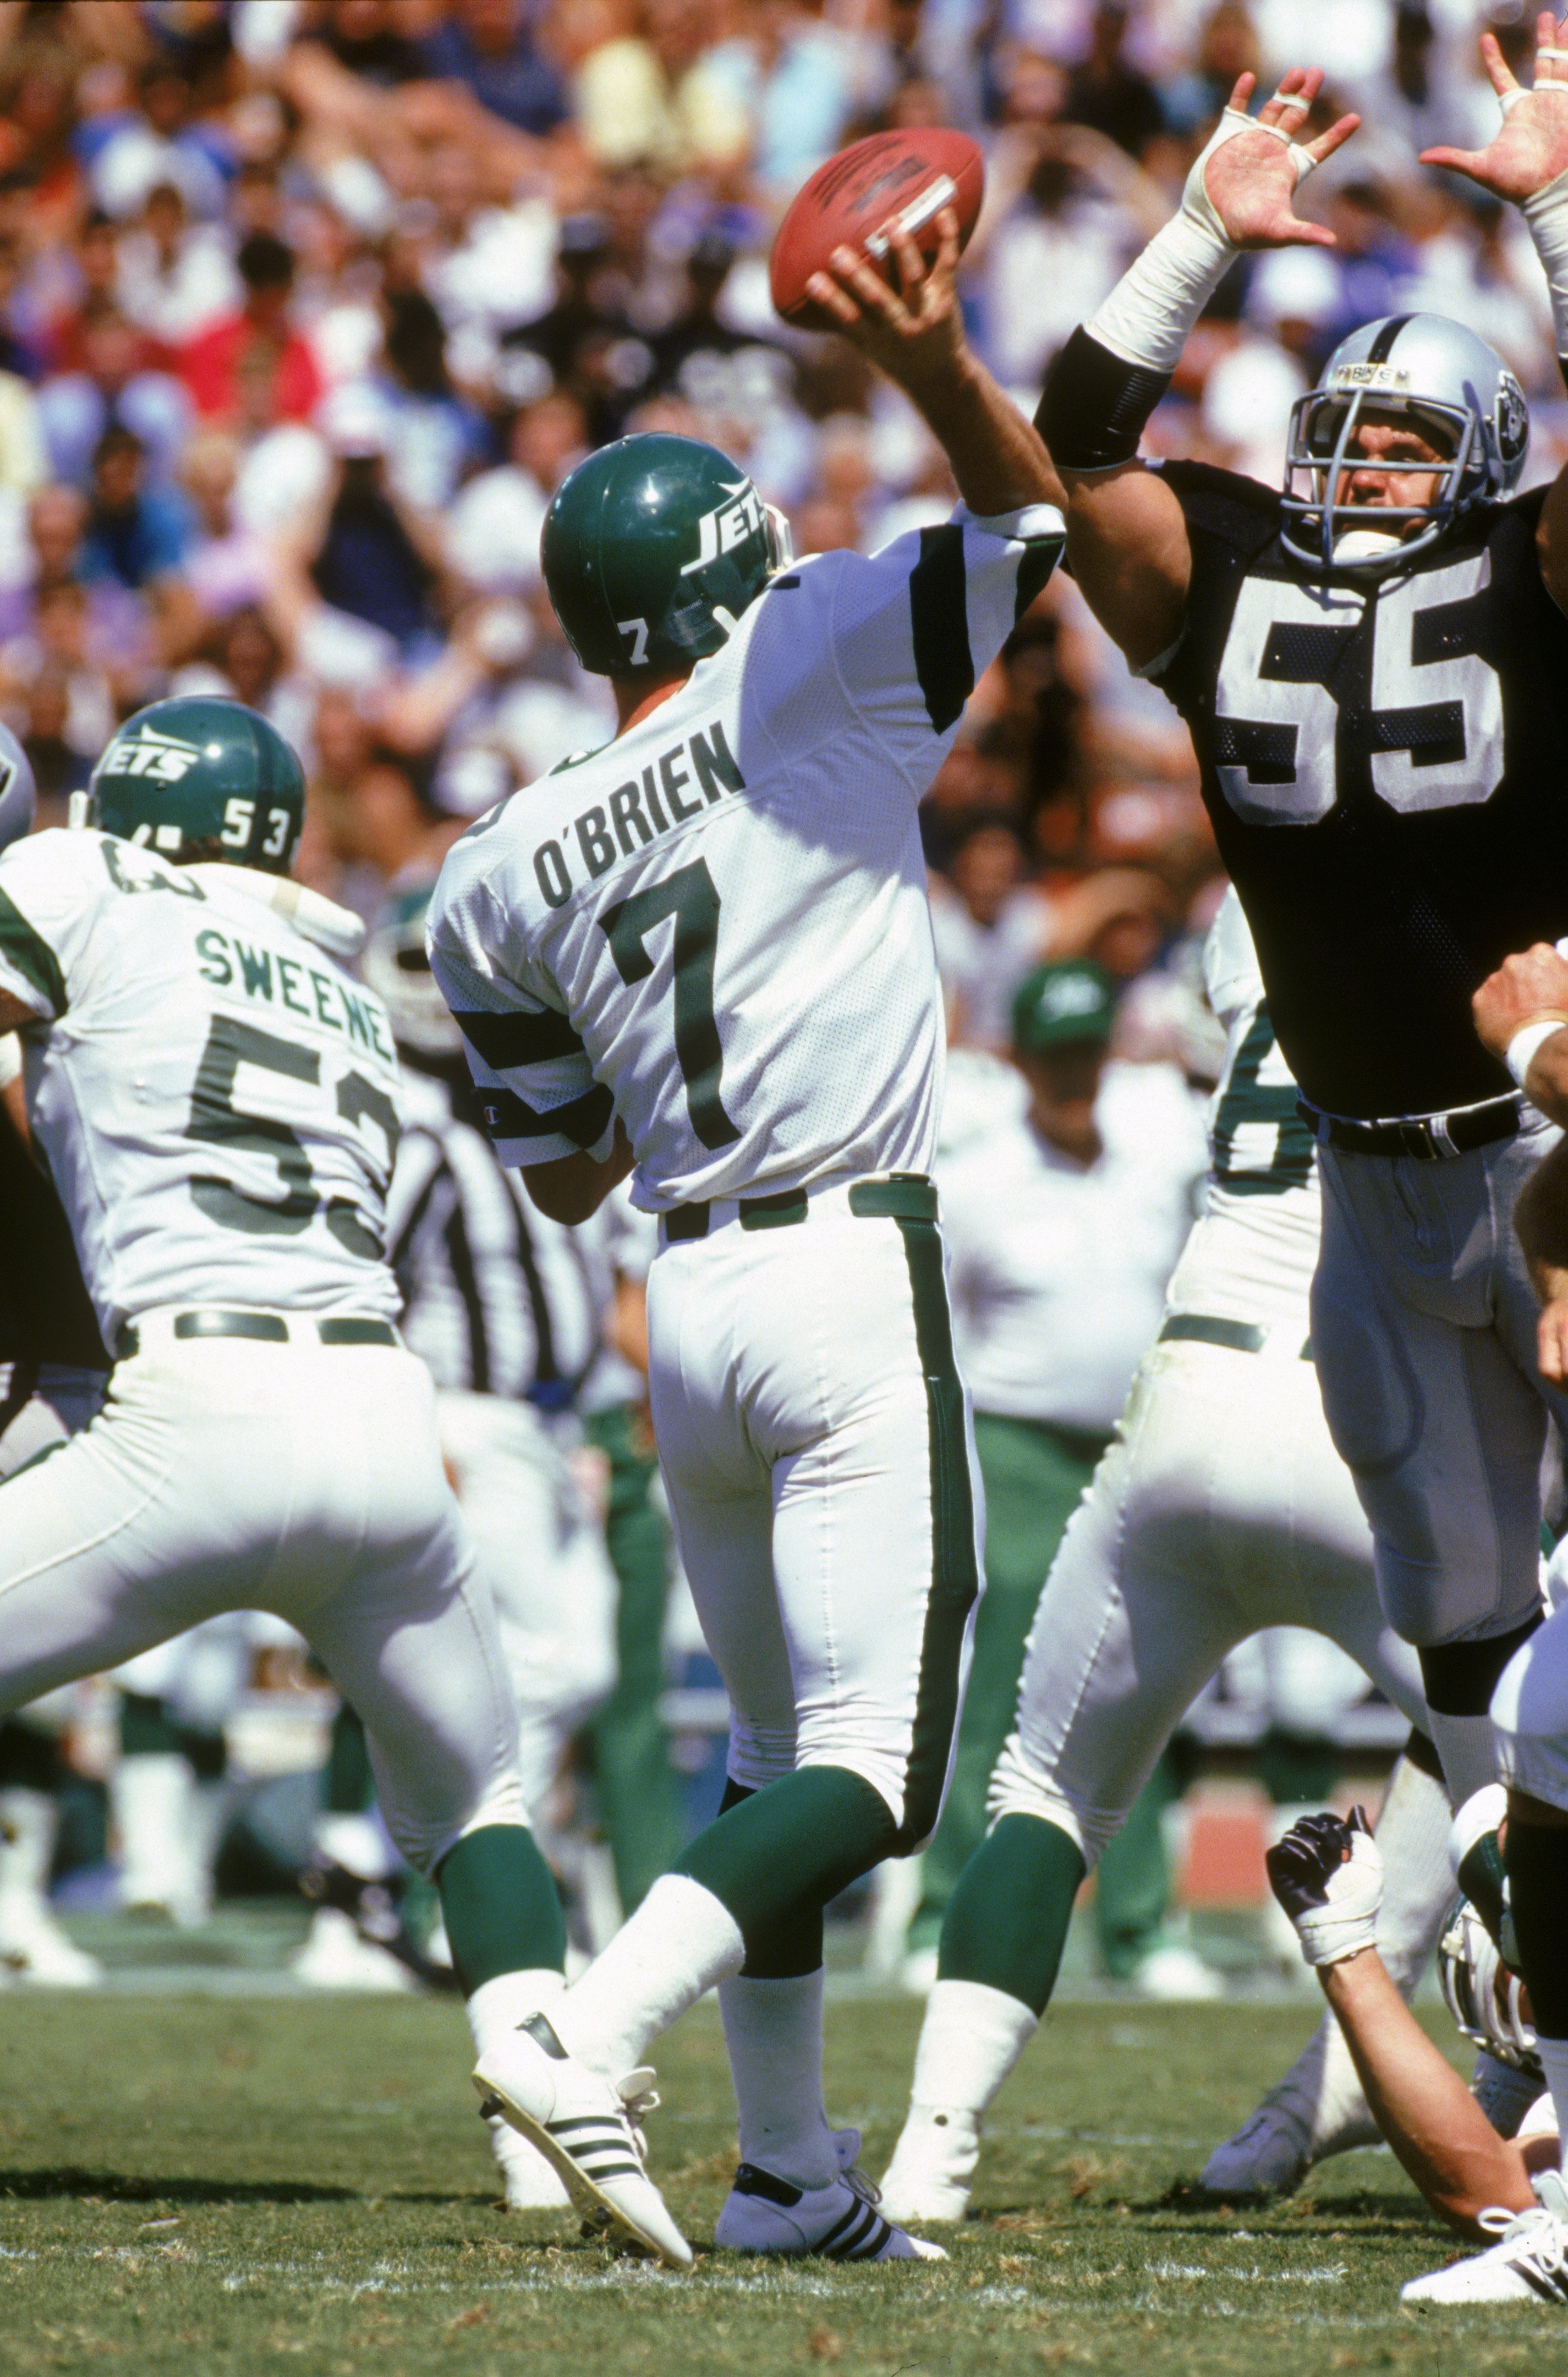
{"type": "Point", "coordinates": [307, 306]}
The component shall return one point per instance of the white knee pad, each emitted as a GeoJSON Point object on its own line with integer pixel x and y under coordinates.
{"type": "Point", "coordinates": [1529, 1715]}
{"type": "Point", "coordinates": [758, 1756]}
{"type": "Point", "coordinates": [1020, 1787]}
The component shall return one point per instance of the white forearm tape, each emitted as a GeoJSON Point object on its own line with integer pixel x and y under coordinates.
{"type": "Point", "coordinates": [1150, 313]}
{"type": "Point", "coordinates": [1527, 1041]}
{"type": "Point", "coordinates": [1546, 214]}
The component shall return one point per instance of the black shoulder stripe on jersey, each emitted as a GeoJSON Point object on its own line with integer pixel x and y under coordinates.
{"type": "Point", "coordinates": [938, 618]}
{"type": "Point", "coordinates": [1039, 558]}
{"type": "Point", "coordinates": [583, 1120]}
{"type": "Point", "coordinates": [32, 955]}
{"type": "Point", "coordinates": [507, 1040]}
{"type": "Point", "coordinates": [1382, 345]}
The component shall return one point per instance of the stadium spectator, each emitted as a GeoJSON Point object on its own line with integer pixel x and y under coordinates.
{"type": "Point", "coordinates": [258, 334]}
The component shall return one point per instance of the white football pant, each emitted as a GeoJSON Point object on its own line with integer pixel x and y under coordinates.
{"type": "Point", "coordinates": [815, 1441]}
{"type": "Point", "coordinates": [542, 1551]}
{"type": "Point", "coordinates": [299, 1479]}
{"type": "Point", "coordinates": [1220, 1509]}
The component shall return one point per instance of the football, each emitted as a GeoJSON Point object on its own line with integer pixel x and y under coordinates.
{"type": "Point", "coordinates": [860, 197]}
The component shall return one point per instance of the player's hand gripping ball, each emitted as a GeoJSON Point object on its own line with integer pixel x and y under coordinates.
{"type": "Point", "coordinates": [1327, 1875]}
{"type": "Point", "coordinates": [866, 196]}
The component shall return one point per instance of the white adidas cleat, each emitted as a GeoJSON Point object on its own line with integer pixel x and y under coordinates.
{"type": "Point", "coordinates": [840, 2222]}
{"type": "Point", "coordinates": [588, 2132]}
{"type": "Point", "coordinates": [336, 1956]}
{"type": "Point", "coordinates": [1273, 2150]}
{"type": "Point", "coordinates": [933, 2164]}
{"type": "Point", "coordinates": [531, 2183]}
{"type": "Point", "coordinates": [1528, 2264]}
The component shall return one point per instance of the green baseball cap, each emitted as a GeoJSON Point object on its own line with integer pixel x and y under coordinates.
{"type": "Point", "coordinates": [1074, 1000]}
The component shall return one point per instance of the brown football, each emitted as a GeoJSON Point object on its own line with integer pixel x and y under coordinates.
{"type": "Point", "coordinates": [860, 196]}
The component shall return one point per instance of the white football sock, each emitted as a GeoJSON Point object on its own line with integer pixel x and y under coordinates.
{"type": "Point", "coordinates": [505, 2003]}
{"type": "Point", "coordinates": [1468, 1751]}
{"type": "Point", "coordinates": [1553, 2053]}
{"type": "Point", "coordinates": [773, 2032]}
{"type": "Point", "coordinates": [679, 1944]}
{"type": "Point", "coordinates": [1418, 1889]}
{"type": "Point", "coordinates": [970, 2040]}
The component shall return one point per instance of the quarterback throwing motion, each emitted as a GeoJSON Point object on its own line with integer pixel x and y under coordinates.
{"type": "Point", "coordinates": [705, 951]}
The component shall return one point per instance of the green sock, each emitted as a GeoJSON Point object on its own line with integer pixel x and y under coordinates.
{"type": "Point", "coordinates": [789, 1945]}
{"type": "Point", "coordinates": [1007, 1919]}
{"type": "Point", "coordinates": [502, 1908]}
{"type": "Point", "coordinates": [794, 1846]}
{"type": "Point", "coordinates": [347, 1788]}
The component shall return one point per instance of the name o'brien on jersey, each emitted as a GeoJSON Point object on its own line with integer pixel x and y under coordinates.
{"type": "Point", "coordinates": [661, 800]}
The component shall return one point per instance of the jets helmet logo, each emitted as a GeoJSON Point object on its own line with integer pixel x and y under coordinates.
{"type": "Point", "coordinates": [728, 525]}
{"type": "Point", "coordinates": [147, 753]}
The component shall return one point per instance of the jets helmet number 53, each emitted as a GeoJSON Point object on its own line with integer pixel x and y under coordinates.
{"type": "Point", "coordinates": [201, 777]}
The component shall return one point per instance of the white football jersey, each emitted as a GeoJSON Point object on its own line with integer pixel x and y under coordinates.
{"type": "Point", "coordinates": [1252, 1256]}
{"type": "Point", "coordinates": [717, 928]}
{"type": "Point", "coordinates": [216, 1098]}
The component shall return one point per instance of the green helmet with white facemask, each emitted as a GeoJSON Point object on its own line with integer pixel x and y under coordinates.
{"type": "Point", "coordinates": [198, 775]}
{"type": "Point", "coordinates": [653, 548]}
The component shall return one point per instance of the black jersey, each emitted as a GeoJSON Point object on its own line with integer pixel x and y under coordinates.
{"type": "Point", "coordinates": [44, 1312]}
{"type": "Point", "coordinates": [1385, 764]}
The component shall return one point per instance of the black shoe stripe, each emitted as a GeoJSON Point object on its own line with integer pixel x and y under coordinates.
{"type": "Point", "coordinates": [852, 2219]}
{"type": "Point", "coordinates": [842, 2244]}
{"type": "Point", "coordinates": [605, 2124]}
{"type": "Point", "coordinates": [598, 2170]}
{"type": "Point", "coordinates": [869, 2247]}
{"type": "Point", "coordinates": [1551, 2290]}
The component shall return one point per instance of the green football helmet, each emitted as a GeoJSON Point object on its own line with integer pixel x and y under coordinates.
{"type": "Point", "coordinates": [199, 769]}
{"type": "Point", "coordinates": [653, 548]}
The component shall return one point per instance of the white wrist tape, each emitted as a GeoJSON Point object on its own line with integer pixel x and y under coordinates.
{"type": "Point", "coordinates": [1149, 314]}
{"type": "Point", "coordinates": [1522, 1048]}
{"type": "Point", "coordinates": [1546, 214]}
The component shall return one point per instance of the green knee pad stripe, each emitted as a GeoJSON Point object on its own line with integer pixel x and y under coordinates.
{"type": "Point", "coordinates": [502, 1910]}
{"type": "Point", "coordinates": [955, 1582]}
{"type": "Point", "coordinates": [1006, 1918]}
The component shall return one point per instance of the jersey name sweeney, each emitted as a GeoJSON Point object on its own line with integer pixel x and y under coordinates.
{"type": "Point", "coordinates": [268, 978]}
{"type": "Point", "coordinates": [679, 784]}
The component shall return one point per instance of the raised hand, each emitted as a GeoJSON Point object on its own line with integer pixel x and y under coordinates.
{"type": "Point", "coordinates": [912, 330]}
{"type": "Point", "coordinates": [1250, 178]}
{"type": "Point", "coordinates": [1531, 147]}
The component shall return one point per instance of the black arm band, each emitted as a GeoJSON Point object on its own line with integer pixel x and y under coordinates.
{"type": "Point", "coordinates": [1096, 407]}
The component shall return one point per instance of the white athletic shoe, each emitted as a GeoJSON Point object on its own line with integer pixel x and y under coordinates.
{"type": "Point", "coordinates": [1273, 2150]}
{"type": "Point", "coordinates": [335, 1956]}
{"type": "Point", "coordinates": [1175, 1975]}
{"type": "Point", "coordinates": [1528, 2264]}
{"type": "Point", "coordinates": [587, 2131]}
{"type": "Point", "coordinates": [933, 2164]}
{"type": "Point", "coordinates": [34, 1950]}
{"type": "Point", "coordinates": [530, 2184]}
{"type": "Point", "coordinates": [840, 2222]}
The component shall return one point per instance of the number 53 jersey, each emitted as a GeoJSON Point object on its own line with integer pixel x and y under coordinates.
{"type": "Point", "coordinates": [717, 927]}
{"type": "Point", "coordinates": [1386, 766]}
{"type": "Point", "coordinates": [215, 1097]}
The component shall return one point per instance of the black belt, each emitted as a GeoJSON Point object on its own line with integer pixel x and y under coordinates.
{"type": "Point", "coordinates": [269, 1327]}
{"type": "Point", "coordinates": [901, 1197]}
{"type": "Point", "coordinates": [1207, 1328]}
{"type": "Point", "coordinates": [1430, 1139]}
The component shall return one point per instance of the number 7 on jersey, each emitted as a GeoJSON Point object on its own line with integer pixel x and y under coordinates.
{"type": "Point", "coordinates": [691, 896]}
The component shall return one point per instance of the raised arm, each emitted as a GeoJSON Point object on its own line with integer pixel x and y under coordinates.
{"type": "Point", "coordinates": [1126, 536]}
{"type": "Point", "coordinates": [1328, 1877]}
{"type": "Point", "coordinates": [1529, 164]}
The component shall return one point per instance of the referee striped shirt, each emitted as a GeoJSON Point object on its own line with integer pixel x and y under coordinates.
{"type": "Point", "coordinates": [497, 1298]}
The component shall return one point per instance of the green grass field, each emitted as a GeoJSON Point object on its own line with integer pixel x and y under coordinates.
{"type": "Point", "coordinates": [251, 2184]}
